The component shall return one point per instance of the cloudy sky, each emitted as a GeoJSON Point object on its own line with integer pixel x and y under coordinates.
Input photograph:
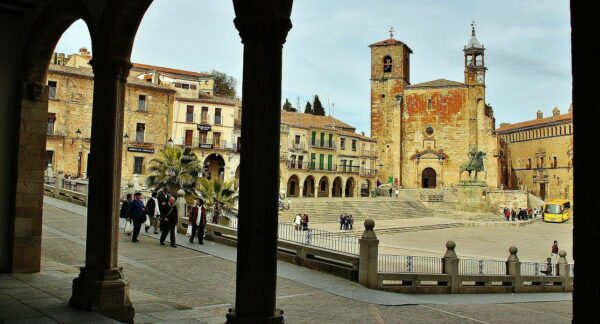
{"type": "Point", "coordinates": [527, 48]}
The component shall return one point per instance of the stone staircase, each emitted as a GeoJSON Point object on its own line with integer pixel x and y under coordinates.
{"type": "Point", "coordinates": [406, 229]}
{"type": "Point", "coordinates": [328, 210]}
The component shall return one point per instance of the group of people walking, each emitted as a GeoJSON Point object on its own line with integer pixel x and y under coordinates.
{"type": "Point", "coordinates": [161, 213]}
{"type": "Point", "coordinates": [520, 214]}
{"type": "Point", "coordinates": [301, 222]}
{"type": "Point", "coordinates": [346, 222]}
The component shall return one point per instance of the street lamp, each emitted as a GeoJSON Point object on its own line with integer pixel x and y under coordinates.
{"type": "Point", "coordinates": [79, 155]}
{"type": "Point", "coordinates": [126, 138]}
{"type": "Point", "coordinates": [170, 142]}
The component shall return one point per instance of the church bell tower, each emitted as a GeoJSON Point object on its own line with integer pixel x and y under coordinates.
{"type": "Point", "coordinates": [474, 60]}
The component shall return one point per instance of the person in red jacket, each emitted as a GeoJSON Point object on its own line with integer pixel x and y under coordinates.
{"type": "Point", "coordinates": [198, 221]}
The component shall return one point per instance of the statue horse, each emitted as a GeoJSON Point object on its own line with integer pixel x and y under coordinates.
{"type": "Point", "coordinates": [474, 164]}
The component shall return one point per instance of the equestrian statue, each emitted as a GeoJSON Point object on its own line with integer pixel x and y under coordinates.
{"type": "Point", "coordinates": [475, 163]}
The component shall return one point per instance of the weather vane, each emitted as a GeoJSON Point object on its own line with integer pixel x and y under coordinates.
{"type": "Point", "coordinates": [391, 32]}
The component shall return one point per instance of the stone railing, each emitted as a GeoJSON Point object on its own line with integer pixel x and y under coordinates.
{"type": "Point", "coordinates": [71, 190]}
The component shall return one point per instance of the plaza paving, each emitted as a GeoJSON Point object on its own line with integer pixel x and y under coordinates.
{"type": "Point", "coordinates": [196, 284]}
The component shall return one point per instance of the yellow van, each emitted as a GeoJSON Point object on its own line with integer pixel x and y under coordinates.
{"type": "Point", "coordinates": [557, 211]}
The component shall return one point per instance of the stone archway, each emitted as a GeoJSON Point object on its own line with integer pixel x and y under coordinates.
{"type": "Point", "coordinates": [214, 167]}
{"type": "Point", "coordinates": [308, 189]}
{"type": "Point", "coordinates": [323, 189]}
{"type": "Point", "coordinates": [336, 187]}
{"type": "Point", "coordinates": [293, 186]}
{"type": "Point", "coordinates": [237, 177]}
{"type": "Point", "coordinates": [365, 188]}
{"type": "Point", "coordinates": [350, 187]}
{"type": "Point", "coordinates": [429, 178]}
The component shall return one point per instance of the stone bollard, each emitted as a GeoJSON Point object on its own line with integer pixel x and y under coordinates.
{"type": "Point", "coordinates": [58, 184]}
{"type": "Point", "coordinates": [563, 269]}
{"type": "Point", "coordinates": [450, 266]}
{"type": "Point", "coordinates": [367, 264]}
{"type": "Point", "coordinates": [513, 268]}
{"type": "Point", "coordinates": [180, 203]}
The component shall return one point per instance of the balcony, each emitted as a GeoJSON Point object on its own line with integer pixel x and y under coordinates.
{"type": "Point", "coordinates": [540, 176]}
{"type": "Point", "coordinates": [323, 145]}
{"type": "Point", "coordinates": [348, 168]}
{"type": "Point", "coordinates": [369, 154]}
{"type": "Point", "coordinates": [301, 146]}
{"type": "Point", "coordinates": [54, 133]}
{"type": "Point", "coordinates": [368, 173]}
{"type": "Point", "coordinates": [209, 144]}
{"type": "Point", "coordinates": [324, 168]}
{"type": "Point", "coordinates": [297, 165]}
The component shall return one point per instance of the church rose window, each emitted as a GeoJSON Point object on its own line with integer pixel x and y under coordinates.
{"type": "Point", "coordinates": [429, 131]}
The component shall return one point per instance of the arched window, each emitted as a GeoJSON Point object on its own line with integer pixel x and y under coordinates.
{"type": "Point", "coordinates": [387, 64]}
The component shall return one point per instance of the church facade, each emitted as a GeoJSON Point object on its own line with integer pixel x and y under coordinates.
{"type": "Point", "coordinates": [425, 131]}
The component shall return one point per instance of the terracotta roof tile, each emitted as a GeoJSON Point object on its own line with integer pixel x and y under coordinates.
{"type": "Point", "coordinates": [168, 70]}
{"type": "Point", "coordinates": [437, 84]}
{"type": "Point", "coordinates": [212, 99]}
{"type": "Point", "coordinates": [535, 122]}
{"type": "Point", "coordinates": [390, 41]}
{"type": "Point", "coordinates": [312, 121]}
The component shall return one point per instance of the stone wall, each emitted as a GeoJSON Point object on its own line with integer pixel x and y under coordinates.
{"type": "Point", "coordinates": [507, 198]}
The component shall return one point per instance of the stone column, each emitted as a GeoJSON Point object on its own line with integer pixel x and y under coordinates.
{"type": "Point", "coordinates": [367, 264]}
{"type": "Point", "coordinates": [513, 268]}
{"type": "Point", "coordinates": [180, 203]}
{"type": "Point", "coordinates": [563, 269]}
{"type": "Point", "coordinates": [58, 184]}
{"type": "Point", "coordinates": [101, 286]}
{"type": "Point", "coordinates": [450, 266]}
{"type": "Point", "coordinates": [263, 27]}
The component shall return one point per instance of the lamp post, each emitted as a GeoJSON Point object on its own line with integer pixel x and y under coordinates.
{"type": "Point", "coordinates": [80, 153]}
{"type": "Point", "coordinates": [170, 142]}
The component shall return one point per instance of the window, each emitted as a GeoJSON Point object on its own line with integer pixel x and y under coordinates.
{"type": "Point", "coordinates": [138, 165]}
{"type": "Point", "coordinates": [51, 89]}
{"type": "Point", "coordinates": [313, 160]}
{"type": "Point", "coordinates": [297, 139]}
{"type": "Point", "coordinates": [189, 115]}
{"type": "Point", "coordinates": [343, 144]}
{"type": "Point", "coordinates": [177, 85]}
{"type": "Point", "coordinates": [217, 116]}
{"type": "Point", "coordinates": [329, 162]}
{"type": "Point", "coordinates": [387, 64]}
{"type": "Point", "coordinates": [429, 105]}
{"type": "Point", "coordinates": [313, 138]}
{"type": "Point", "coordinates": [185, 86]}
{"type": "Point", "coordinates": [541, 162]}
{"type": "Point", "coordinates": [300, 161]}
{"type": "Point", "coordinates": [142, 102]}
{"type": "Point", "coordinates": [322, 139]}
{"type": "Point", "coordinates": [321, 161]}
{"type": "Point", "coordinates": [353, 145]}
{"type": "Point", "coordinates": [203, 137]}
{"type": "Point", "coordinates": [528, 163]}
{"type": "Point", "coordinates": [204, 115]}
{"type": "Point", "coordinates": [330, 140]}
{"type": "Point", "coordinates": [193, 86]}
{"type": "Point", "coordinates": [217, 139]}
{"type": "Point", "coordinates": [554, 162]}
{"type": "Point", "coordinates": [139, 132]}
{"type": "Point", "coordinates": [189, 135]}
{"type": "Point", "coordinates": [51, 121]}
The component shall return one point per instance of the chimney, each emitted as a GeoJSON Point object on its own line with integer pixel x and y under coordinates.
{"type": "Point", "coordinates": [84, 52]}
{"type": "Point", "coordinates": [155, 77]}
{"type": "Point", "coordinates": [555, 111]}
{"type": "Point", "coordinates": [540, 114]}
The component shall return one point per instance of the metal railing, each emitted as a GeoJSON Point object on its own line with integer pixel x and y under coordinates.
{"type": "Point", "coordinates": [324, 145]}
{"type": "Point", "coordinates": [367, 153]}
{"type": "Point", "coordinates": [325, 168]}
{"type": "Point", "coordinates": [348, 168]}
{"type": "Point", "coordinates": [297, 146]}
{"type": "Point", "coordinates": [209, 143]}
{"type": "Point", "coordinates": [318, 238]}
{"type": "Point", "coordinates": [481, 267]}
{"type": "Point", "coordinates": [389, 263]}
{"type": "Point", "coordinates": [293, 164]}
{"type": "Point", "coordinates": [368, 172]}
{"type": "Point", "coordinates": [534, 268]}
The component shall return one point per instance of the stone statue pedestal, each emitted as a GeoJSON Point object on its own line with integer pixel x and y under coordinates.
{"type": "Point", "coordinates": [472, 196]}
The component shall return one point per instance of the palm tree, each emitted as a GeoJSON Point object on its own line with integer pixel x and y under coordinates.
{"type": "Point", "coordinates": [176, 168]}
{"type": "Point", "coordinates": [218, 195]}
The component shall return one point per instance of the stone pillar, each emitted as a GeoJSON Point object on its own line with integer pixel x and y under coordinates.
{"type": "Point", "coordinates": [58, 184]}
{"type": "Point", "coordinates": [263, 27]}
{"type": "Point", "coordinates": [301, 193]}
{"type": "Point", "coordinates": [101, 286]}
{"type": "Point", "coordinates": [513, 268]}
{"type": "Point", "coordinates": [563, 269]}
{"type": "Point", "coordinates": [181, 210]}
{"type": "Point", "coordinates": [450, 266]}
{"type": "Point", "coordinates": [367, 264]}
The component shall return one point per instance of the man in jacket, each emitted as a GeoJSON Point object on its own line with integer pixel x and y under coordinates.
{"type": "Point", "coordinates": [123, 212]}
{"type": "Point", "coordinates": [168, 222]}
{"type": "Point", "coordinates": [163, 200]}
{"type": "Point", "coordinates": [198, 221]}
{"type": "Point", "coordinates": [153, 211]}
{"type": "Point", "coordinates": [137, 214]}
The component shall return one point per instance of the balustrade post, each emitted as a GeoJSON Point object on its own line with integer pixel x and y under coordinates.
{"type": "Point", "coordinates": [513, 268]}
{"type": "Point", "coordinates": [563, 269]}
{"type": "Point", "coordinates": [367, 262]}
{"type": "Point", "coordinates": [180, 210]}
{"type": "Point", "coordinates": [58, 184]}
{"type": "Point", "coordinates": [450, 266]}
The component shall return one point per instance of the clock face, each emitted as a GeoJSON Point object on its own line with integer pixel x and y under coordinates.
{"type": "Point", "coordinates": [479, 78]}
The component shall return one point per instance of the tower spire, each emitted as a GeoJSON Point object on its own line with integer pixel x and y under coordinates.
{"type": "Point", "coordinates": [473, 28]}
{"type": "Point", "coordinates": [392, 32]}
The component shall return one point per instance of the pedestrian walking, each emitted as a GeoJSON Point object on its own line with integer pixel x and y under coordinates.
{"type": "Point", "coordinates": [350, 221]}
{"type": "Point", "coordinates": [512, 214]}
{"type": "Point", "coordinates": [163, 200]}
{"type": "Point", "coordinates": [137, 214]}
{"type": "Point", "coordinates": [345, 222]}
{"type": "Point", "coordinates": [554, 252]}
{"type": "Point", "coordinates": [397, 193]}
{"type": "Point", "coordinates": [123, 213]}
{"type": "Point", "coordinates": [198, 220]}
{"type": "Point", "coordinates": [341, 221]}
{"type": "Point", "coordinates": [153, 211]}
{"type": "Point", "coordinates": [507, 214]}
{"type": "Point", "coordinates": [304, 222]}
{"type": "Point", "coordinates": [298, 222]}
{"type": "Point", "coordinates": [168, 222]}
{"type": "Point", "coordinates": [390, 191]}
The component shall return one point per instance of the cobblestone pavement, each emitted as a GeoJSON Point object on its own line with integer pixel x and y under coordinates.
{"type": "Point", "coordinates": [179, 284]}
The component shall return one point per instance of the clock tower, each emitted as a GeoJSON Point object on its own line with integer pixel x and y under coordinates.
{"type": "Point", "coordinates": [474, 61]}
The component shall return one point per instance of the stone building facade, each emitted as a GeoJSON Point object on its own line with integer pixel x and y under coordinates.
{"type": "Point", "coordinates": [539, 155]}
{"type": "Point", "coordinates": [424, 131]}
{"type": "Point", "coordinates": [147, 111]}
{"type": "Point", "coordinates": [321, 156]}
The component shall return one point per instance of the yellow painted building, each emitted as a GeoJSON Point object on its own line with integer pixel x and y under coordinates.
{"type": "Point", "coordinates": [539, 155]}
{"type": "Point", "coordinates": [324, 157]}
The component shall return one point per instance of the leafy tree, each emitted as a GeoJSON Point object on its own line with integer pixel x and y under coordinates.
{"type": "Point", "coordinates": [217, 195]}
{"type": "Point", "coordinates": [287, 106]}
{"type": "Point", "coordinates": [224, 84]}
{"type": "Point", "coordinates": [318, 107]}
{"type": "Point", "coordinates": [308, 109]}
{"type": "Point", "coordinates": [176, 168]}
